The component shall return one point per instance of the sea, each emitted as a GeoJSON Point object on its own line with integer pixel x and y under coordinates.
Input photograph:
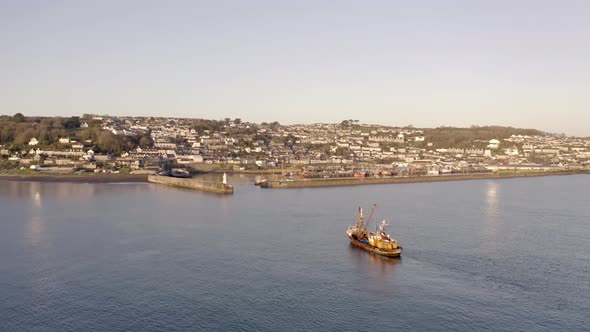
{"type": "Point", "coordinates": [480, 255]}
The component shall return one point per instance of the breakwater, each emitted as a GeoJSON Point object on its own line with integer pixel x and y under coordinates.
{"type": "Point", "coordinates": [337, 182]}
{"type": "Point", "coordinates": [208, 186]}
{"type": "Point", "coordinates": [75, 178]}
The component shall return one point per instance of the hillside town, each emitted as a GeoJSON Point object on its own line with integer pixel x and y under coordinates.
{"type": "Point", "coordinates": [342, 149]}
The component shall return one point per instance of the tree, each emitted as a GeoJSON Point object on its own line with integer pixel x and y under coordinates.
{"type": "Point", "coordinates": [7, 134]}
{"type": "Point", "coordinates": [145, 142]}
{"type": "Point", "coordinates": [23, 137]}
{"type": "Point", "coordinates": [342, 151]}
{"type": "Point", "coordinates": [107, 142]}
{"type": "Point", "coordinates": [88, 134]}
{"type": "Point", "coordinates": [72, 123]}
{"type": "Point", "coordinates": [18, 117]}
{"type": "Point", "coordinates": [274, 125]}
{"type": "Point", "coordinates": [44, 137]}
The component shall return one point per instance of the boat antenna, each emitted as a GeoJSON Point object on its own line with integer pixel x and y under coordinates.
{"type": "Point", "coordinates": [370, 215]}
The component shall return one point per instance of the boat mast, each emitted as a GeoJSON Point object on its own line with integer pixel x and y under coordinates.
{"type": "Point", "coordinates": [370, 215]}
{"type": "Point", "coordinates": [359, 223]}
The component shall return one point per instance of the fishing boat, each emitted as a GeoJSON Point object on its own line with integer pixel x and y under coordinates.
{"type": "Point", "coordinates": [377, 242]}
{"type": "Point", "coordinates": [259, 181]}
{"type": "Point", "coordinates": [180, 173]}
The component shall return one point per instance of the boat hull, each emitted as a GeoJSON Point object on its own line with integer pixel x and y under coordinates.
{"type": "Point", "coordinates": [377, 251]}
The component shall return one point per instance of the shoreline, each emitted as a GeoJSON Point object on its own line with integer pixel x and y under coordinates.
{"type": "Point", "coordinates": [279, 184]}
{"type": "Point", "coordinates": [341, 182]}
{"type": "Point", "coordinates": [76, 178]}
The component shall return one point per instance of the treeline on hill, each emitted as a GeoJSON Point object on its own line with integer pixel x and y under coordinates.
{"type": "Point", "coordinates": [477, 137]}
{"type": "Point", "coordinates": [200, 125]}
{"type": "Point", "coordinates": [16, 132]}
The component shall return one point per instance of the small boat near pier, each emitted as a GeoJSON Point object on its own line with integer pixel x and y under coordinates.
{"type": "Point", "coordinates": [260, 180]}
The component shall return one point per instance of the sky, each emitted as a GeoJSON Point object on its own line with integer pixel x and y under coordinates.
{"type": "Point", "coordinates": [424, 63]}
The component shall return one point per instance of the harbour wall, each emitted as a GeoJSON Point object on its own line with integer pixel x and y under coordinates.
{"type": "Point", "coordinates": [336, 182]}
{"type": "Point", "coordinates": [207, 186]}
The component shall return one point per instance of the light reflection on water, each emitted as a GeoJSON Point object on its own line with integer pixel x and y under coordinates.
{"type": "Point", "coordinates": [36, 226]}
{"type": "Point", "coordinates": [43, 282]}
{"type": "Point", "coordinates": [35, 230]}
{"type": "Point", "coordinates": [491, 211]}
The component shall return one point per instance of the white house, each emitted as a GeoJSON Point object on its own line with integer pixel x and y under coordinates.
{"type": "Point", "coordinates": [33, 141]}
{"type": "Point", "coordinates": [194, 158]}
{"type": "Point", "coordinates": [64, 140]}
{"type": "Point", "coordinates": [399, 164]}
{"type": "Point", "coordinates": [89, 156]}
{"type": "Point", "coordinates": [494, 144]}
{"type": "Point", "coordinates": [512, 151]}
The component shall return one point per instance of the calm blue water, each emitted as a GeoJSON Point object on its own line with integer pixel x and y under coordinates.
{"type": "Point", "coordinates": [501, 255]}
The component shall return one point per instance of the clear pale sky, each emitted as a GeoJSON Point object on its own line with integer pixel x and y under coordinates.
{"type": "Point", "coordinates": [425, 63]}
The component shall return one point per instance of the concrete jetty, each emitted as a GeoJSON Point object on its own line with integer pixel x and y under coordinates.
{"type": "Point", "coordinates": [189, 183]}
{"type": "Point", "coordinates": [336, 182]}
